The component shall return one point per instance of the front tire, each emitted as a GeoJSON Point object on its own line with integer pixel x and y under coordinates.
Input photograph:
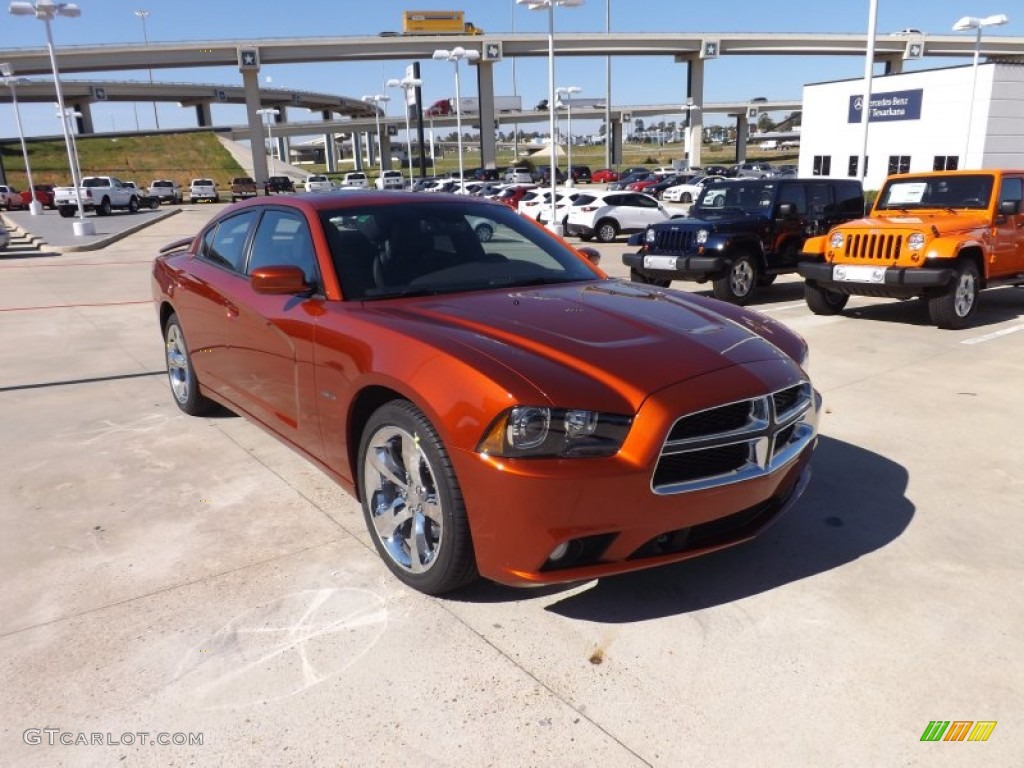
{"type": "Point", "coordinates": [953, 310]}
{"type": "Point", "coordinates": [607, 230]}
{"type": "Point", "coordinates": [739, 283]}
{"type": "Point", "coordinates": [133, 205]}
{"type": "Point", "coordinates": [822, 301]}
{"type": "Point", "coordinates": [412, 502]}
{"type": "Point", "coordinates": [181, 376]}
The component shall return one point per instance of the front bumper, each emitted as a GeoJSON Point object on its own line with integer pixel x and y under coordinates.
{"type": "Point", "coordinates": [897, 282]}
{"type": "Point", "coordinates": [521, 510]}
{"type": "Point", "coordinates": [677, 267]}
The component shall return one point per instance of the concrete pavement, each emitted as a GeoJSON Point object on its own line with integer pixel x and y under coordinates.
{"type": "Point", "coordinates": [195, 578]}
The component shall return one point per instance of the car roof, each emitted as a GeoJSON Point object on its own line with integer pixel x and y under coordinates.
{"type": "Point", "coordinates": [321, 201]}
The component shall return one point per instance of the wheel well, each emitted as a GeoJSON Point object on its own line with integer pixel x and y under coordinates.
{"type": "Point", "coordinates": [166, 310]}
{"type": "Point", "coordinates": [973, 255]}
{"type": "Point", "coordinates": [363, 406]}
{"type": "Point", "coordinates": [607, 220]}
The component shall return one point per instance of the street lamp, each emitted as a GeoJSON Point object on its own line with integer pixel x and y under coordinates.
{"type": "Point", "coordinates": [549, 6]}
{"type": "Point", "coordinates": [46, 11]}
{"type": "Point", "coordinates": [689, 108]}
{"type": "Point", "coordinates": [377, 99]}
{"type": "Point", "coordinates": [974, 22]}
{"type": "Point", "coordinates": [267, 114]}
{"type": "Point", "coordinates": [8, 79]}
{"type": "Point", "coordinates": [409, 85]}
{"type": "Point", "coordinates": [455, 55]}
{"type": "Point", "coordinates": [145, 36]}
{"type": "Point", "coordinates": [568, 92]}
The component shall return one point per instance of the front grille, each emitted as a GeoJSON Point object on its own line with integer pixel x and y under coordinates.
{"type": "Point", "coordinates": [736, 441]}
{"type": "Point", "coordinates": [673, 240]}
{"type": "Point", "coordinates": [874, 247]}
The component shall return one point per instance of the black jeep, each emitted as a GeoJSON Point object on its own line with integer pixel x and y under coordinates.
{"type": "Point", "coordinates": [742, 233]}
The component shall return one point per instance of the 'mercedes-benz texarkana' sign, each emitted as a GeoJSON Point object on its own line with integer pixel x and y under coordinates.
{"type": "Point", "coordinates": [895, 105]}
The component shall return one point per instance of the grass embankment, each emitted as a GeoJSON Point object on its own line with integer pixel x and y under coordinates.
{"type": "Point", "coordinates": [180, 156]}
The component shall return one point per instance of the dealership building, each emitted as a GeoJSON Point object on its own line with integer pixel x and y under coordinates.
{"type": "Point", "coordinates": [920, 121]}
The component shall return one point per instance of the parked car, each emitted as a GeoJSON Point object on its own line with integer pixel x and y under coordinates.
{"type": "Point", "coordinates": [542, 175]}
{"type": "Point", "coordinates": [390, 180]}
{"type": "Point", "coordinates": [420, 185]}
{"type": "Point", "coordinates": [511, 196]}
{"type": "Point", "coordinates": [498, 411]}
{"type": "Point", "coordinates": [102, 194]}
{"type": "Point", "coordinates": [317, 182]}
{"type": "Point", "coordinates": [43, 193]}
{"type": "Point", "coordinates": [355, 179]}
{"type": "Point", "coordinates": [519, 176]}
{"type": "Point", "coordinates": [278, 185]}
{"type": "Point", "coordinates": [604, 175]}
{"type": "Point", "coordinates": [166, 191]}
{"type": "Point", "coordinates": [658, 188]}
{"type": "Point", "coordinates": [689, 191]}
{"type": "Point", "coordinates": [242, 188]}
{"type": "Point", "coordinates": [759, 170]}
{"type": "Point", "coordinates": [202, 190]}
{"type": "Point", "coordinates": [580, 173]}
{"type": "Point", "coordinates": [625, 179]}
{"type": "Point", "coordinates": [144, 198]}
{"type": "Point", "coordinates": [742, 233]}
{"type": "Point", "coordinates": [606, 215]}
{"type": "Point", "coordinates": [644, 184]}
{"type": "Point", "coordinates": [487, 174]}
{"type": "Point", "coordinates": [563, 200]}
{"type": "Point", "coordinates": [10, 198]}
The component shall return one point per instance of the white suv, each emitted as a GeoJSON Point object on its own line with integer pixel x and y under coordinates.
{"type": "Point", "coordinates": [390, 180]}
{"type": "Point", "coordinates": [357, 179]}
{"type": "Point", "coordinates": [518, 176]}
{"type": "Point", "coordinates": [606, 215]}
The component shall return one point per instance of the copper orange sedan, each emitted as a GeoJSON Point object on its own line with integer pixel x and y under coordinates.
{"type": "Point", "coordinates": [499, 406]}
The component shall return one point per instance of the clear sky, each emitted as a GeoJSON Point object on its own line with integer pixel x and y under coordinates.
{"type": "Point", "coordinates": [637, 80]}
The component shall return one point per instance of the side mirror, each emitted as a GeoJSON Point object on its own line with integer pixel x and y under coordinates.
{"type": "Point", "coordinates": [1009, 207]}
{"type": "Point", "coordinates": [279, 280]}
{"type": "Point", "coordinates": [787, 210]}
{"type": "Point", "coordinates": [591, 255]}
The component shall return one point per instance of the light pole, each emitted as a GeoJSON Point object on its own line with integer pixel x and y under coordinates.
{"type": "Point", "coordinates": [46, 11]}
{"type": "Point", "coordinates": [268, 114]}
{"type": "Point", "coordinates": [377, 99]}
{"type": "Point", "coordinates": [455, 55]}
{"type": "Point", "coordinates": [145, 36]}
{"type": "Point", "coordinates": [689, 108]}
{"type": "Point", "coordinates": [34, 207]}
{"type": "Point", "coordinates": [974, 22]}
{"type": "Point", "coordinates": [568, 92]}
{"type": "Point", "coordinates": [549, 6]}
{"type": "Point", "coordinates": [408, 85]}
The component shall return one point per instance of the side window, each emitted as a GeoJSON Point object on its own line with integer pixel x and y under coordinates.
{"type": "Point", "coordinates": [817, 200]}
{"type": "Point", "coordinates": [642, 201]}
{"type": "Point", "coordinates": [283, 239]}
{"type": "Point", "coordinates": [615, 200]}
{"type": "Point", "coordinates": [227, 247]}
{"type": "Point", "coordinates": [1012, 189]}
{"type": "Point", "coordinates": [795, 194]}
{"type": "Point", "coordinates": [849, 199]}
{"type": "Point", "coordinates": [822, 165]}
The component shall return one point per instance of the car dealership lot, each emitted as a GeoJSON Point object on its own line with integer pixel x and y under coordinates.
{"type": "Point", "coordinates": [180, 575]}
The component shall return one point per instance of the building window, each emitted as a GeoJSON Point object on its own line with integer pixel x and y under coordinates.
{"type": "Point", "coordinates": [851, 170]}
{"type": "Point", "coordinates": [822, 165]}
{"type": "Point", "coordinates": [945, 163]}
{"type": "Point", "coordinates": [899, 164]}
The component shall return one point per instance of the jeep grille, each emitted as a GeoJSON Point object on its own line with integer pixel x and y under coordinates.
{"type": "Point", "coordinates": [673, 240]}
{"type": "Point", "coordinates": [874, 247]}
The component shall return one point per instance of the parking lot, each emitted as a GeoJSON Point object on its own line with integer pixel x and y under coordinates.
{"type": "Point", "coordinates": [195, 579]}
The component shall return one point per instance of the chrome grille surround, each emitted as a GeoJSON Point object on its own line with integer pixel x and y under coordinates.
{"type": "Point", "coordinates": [778, 426]}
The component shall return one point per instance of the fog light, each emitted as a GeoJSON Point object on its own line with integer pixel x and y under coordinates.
{"type": "Point", "coordinates": [559, 552]}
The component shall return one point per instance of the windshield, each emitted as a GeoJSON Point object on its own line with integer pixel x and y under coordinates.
{"type": "Point", "coordinates": [382, 252]}
{"type": "Point", "coordinates": [754, 196]}
{"type": "Point", "coordinates": [971, 191]}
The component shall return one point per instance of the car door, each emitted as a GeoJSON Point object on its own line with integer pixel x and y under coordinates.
{"type": "Point", "coordinates": [639, 211]}
{"type": "Point", "coordinates": [272, 335]}
{"type": "Point", "coordinates": [788, 231]}
{"type": "Point", "coordinates": [209, 298]}
{"type": "Point", "coordinates": [1009, 229]}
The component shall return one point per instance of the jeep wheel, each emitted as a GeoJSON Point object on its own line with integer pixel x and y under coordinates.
{"type": "Point", "coordinates": [607, 230]}
{"type": "Point", "coordinates": [822, 301]}
{"type": "Point", "coordinates": [739, 283]}
{"type": "Point", "coordinates": [953, 309]}
{"type": "Point", "coordinates": [637, 276]}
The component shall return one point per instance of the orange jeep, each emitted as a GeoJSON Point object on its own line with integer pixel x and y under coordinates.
{"type": "Point", "coordinates": [942, 236]}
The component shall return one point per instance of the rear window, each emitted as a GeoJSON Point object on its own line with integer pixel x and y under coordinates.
{"type": "Point", "coordinates": [356, 176]}
{"type": "Point", "coordinates": [202, 183]}
{"type": "Point", "coordinates": [163, 184]}
{"type": "Point", "coordinates": [584, 200]}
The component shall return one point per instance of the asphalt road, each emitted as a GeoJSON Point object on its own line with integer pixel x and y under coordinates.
{"type": "Point", "coordinates": [172, 575]}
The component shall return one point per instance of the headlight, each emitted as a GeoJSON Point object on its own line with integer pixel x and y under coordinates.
{"type": "Point", "coordinates": [836, 241]}
{"type": "Point", "coordinates": [702, 236]}
{"type": "Point", "coordinates": [916, 241]}
{"type": "Point", "coordinates": [530, 431]}
{"type": "Point", "coordinates": [650, 236]}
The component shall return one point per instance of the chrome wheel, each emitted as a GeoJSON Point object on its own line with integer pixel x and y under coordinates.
{"type": "Point", "coordinates": [965, 293]}
{"type": "Point", "coordinates": [177, 363]}
{"type": "Point", "coordinates": [403, 501]}
{"type": "Point", "coordinates": [741, 278]}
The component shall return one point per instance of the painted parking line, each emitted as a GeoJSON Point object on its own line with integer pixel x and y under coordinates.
{"type": "Point", "coordinates": [993, 335]}
{"type": "Point", "coordinates": [781, 308]}
{"type": "Point", "coordinates": [75, 306]}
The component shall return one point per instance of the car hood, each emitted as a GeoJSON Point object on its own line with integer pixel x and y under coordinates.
{"type": "Point", "coordinates": [937, 222]}
{"type": "Point", "coordinates": [595, 339]}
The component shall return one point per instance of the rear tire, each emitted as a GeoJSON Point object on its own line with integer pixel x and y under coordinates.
{"type": "Point", "coordinates": [739, 283]}
{"type": "Point", "coordinates": [66, 211]}
{"type": "Point", "coordinates": [182, 378]}
{"type": "Point", "coordinates": [953, 310]}
{"type": "Point", "coordinates": [822, 301]}
{"type": "Point", "coordinates": [133, 205]}
{"type": "Point", "coordinates": [105, 208]}
{"type": "Point", "coordinates": [607, 230]}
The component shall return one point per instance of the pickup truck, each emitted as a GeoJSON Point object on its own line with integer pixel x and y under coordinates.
{"type": "Point", "coordinates": [166, 190]}
{"type": "Point", "coordinates": [101, 194]}
{"type": "Point", "coordinates": [242, 188]}
{"type": "Point", "coordinates": [941, 236]}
